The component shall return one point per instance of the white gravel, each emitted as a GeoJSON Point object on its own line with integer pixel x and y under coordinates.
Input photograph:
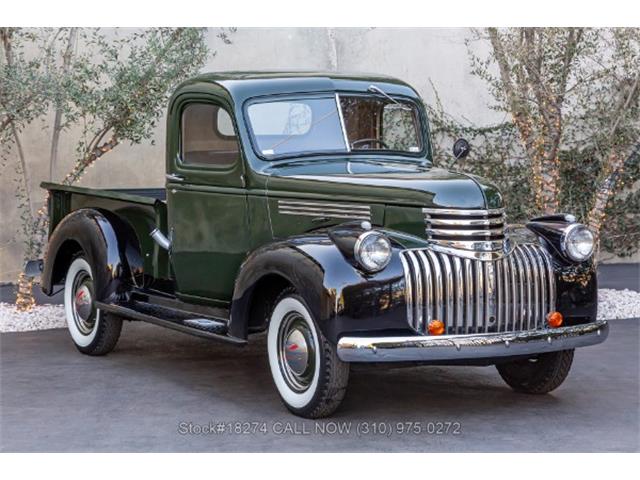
{"type": "Point", "coordinates": [41, 317]}
{"type": "Point", "coordinates": [617, 304]}
{"type": "Point", "coordinates": [614, 304]}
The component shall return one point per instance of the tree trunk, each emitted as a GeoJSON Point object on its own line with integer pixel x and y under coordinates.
{"type": "Point", "coordinates": [57, 121]}
{"type": "Point", "coordinates": [24, 297]}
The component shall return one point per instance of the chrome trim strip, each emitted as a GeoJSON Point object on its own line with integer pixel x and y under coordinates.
{"type": "Point", "coordinates": [466, 222]}
{"type": "Point", "coordinates": [506, 272]}
{"type": "Point", "coordinates": [324, 209]}
{"type": "Point", "coordinates": [408, 289]}
{"type": "Point", "coordinates": [296, 208]}
{"type": "Point", "coordinates": [426, 270]}
{"type": "Point", "coordinates": [456, 211]}
{"type": "Point", "coordinates": [479, 285]}
{"type": "Point", "coordinates": [552, 280]}
{"type": "Point", "coordinates": [487, 299]}
{"type": "Point", "coordinates": [512, 280]}
{"type": "Point", "coordinates": [437, 285]}
{"type": "Point", "coordinates": [499, 294]}
{"type": "Point", "coordinates": [448, 293]}
{"type": "Point", "coordinates": [342, 124]}
{"type": "Point", "coordinates": [331, 206]}
{"type": "Point", "coordinates": [325, 214]}
{"type": "Point", "coordinates": [459, 295]}
{"type": "Point", "coordinates": [468, 283]}
{"type": "Point", "coordinates": [474, 245]}
{"type": "Point", "coordinates": [323, 204]}
{"type": "Point", "coordinates": [473, 255]}
{"type": "Point", "coordinates": [489, 232]}
{"type": "Point", "coordinates": [419, 318]}
{"type": "Point", "coordinates": [460, 347]}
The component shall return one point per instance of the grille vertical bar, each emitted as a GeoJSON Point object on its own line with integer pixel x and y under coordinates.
{"type": "Point", "coordinates": [428, 282]}
{"type": "Point", "coordinates": [474, 296]}
{"type": "Point", "coordinates": [448, 292]}
{"type": "Point", "coordinates": [468, 290]}
{"type": "Point", "coordinates": [459, 297]}
{"type": "Point", "coordinates": [438, 310]}
{"type": "Point", "coordinates": [408, 288]}
{"type": "Point", "coordinates": [499, 294]}
{"type": "Point", "coordinates": [479, 297]}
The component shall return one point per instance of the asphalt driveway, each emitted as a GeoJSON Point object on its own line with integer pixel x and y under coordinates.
{"type": "Point", "coordinates": [165, 391]}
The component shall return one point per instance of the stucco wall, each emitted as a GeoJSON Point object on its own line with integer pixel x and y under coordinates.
{"type": "Point", "coordinates": [419, 56]}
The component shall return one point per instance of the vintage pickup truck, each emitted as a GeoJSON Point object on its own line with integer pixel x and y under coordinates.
{"type": "Point", "coordinates": [306, 206]}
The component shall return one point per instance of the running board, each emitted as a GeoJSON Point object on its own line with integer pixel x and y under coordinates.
{"type": "Point", "coordinates": [211, 328]}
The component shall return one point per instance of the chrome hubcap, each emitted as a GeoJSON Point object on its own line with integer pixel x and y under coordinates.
{"type": "Point", "coordinates": [296, 352]}
{"type": "Point", "coordinates": [84, 314]}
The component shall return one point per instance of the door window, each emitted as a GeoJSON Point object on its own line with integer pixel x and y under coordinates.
{"type": "Point", "coordinates": [208, 137]}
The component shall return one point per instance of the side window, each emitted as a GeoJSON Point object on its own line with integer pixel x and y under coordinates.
{"type": "Point", "coordinates": [208, 137]}
{"type": "Point", "coordinates": [400, 127]}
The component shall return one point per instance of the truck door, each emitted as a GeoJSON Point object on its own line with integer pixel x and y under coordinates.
{"type": "Point", "coordinates": [207, 202]}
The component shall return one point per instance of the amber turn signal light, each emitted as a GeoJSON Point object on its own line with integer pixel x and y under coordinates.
{"type": "Point", "coordinates": [436, 327]}
{"type": "Point", "coordinates": [554, 319]}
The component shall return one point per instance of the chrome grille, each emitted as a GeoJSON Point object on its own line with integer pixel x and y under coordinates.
{"type": "Point", "coordinates": [509, 294]}
{"type": "Point", "coordinates": [477, 230]}
{"type": "Point", "coordinates": [324, 209]}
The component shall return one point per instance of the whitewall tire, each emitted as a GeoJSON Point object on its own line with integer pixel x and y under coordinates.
{"type": "Point", "coordinates": [306, 370]}
{"type": "Point", "coordinates": [93, 332]}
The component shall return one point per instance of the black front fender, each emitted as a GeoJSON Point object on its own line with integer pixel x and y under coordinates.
{"type": "Point", "coordinates": [108, 243]}
{"type": "Point", "coordinates": [340, 296]}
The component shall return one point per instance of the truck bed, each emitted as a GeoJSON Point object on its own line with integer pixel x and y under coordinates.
{"type": "Point", "coordinates": [144, 209]}
{"type": "Point", "coordinates": [135, 195]}
{"type": "Point", "coordinates": [157, 193]}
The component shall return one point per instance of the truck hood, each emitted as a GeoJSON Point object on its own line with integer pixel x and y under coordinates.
{"type": "Point", "coordinates": [383, 181]}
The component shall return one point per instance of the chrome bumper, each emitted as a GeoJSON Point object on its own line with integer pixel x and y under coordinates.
{"type": "Point", "coordinates": [462, 347]}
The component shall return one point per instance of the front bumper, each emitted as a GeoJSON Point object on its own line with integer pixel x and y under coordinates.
{"type": "Point", "coordinates": [468, 347]}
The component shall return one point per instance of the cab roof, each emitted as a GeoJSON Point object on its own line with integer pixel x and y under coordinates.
{"type": "Point", "coordinates": [241, 86]}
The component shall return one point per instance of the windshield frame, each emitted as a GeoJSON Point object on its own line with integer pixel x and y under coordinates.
{"type": "Point", "coordinates": [422, 129]}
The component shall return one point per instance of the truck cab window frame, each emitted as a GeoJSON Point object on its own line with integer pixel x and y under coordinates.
{"type": "Point", "coordinates": [209, 146]}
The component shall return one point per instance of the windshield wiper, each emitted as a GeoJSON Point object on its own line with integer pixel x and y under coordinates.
{"type": "Point", "coordinates": [376, 89]}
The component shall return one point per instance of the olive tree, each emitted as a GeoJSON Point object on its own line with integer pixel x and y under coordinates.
{"type": "Point", "coordinates": [115, 88]}
{"type": "Point", "coordinates": [26, 86]}
{"type": "Point", "coordinates": [570, 142]}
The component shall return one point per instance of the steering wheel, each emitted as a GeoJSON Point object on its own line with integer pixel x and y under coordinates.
{"type": "Point", "coordinates": [369, 140]}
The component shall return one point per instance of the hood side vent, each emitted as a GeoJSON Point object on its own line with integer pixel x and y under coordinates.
{"type": "Point", "coordinates": [324, 209]}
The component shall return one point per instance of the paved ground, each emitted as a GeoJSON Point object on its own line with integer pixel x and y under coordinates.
{"type": "Point", "coordinates": [619, 276]}
{"type": "Point", "coordinates": [135, 399]}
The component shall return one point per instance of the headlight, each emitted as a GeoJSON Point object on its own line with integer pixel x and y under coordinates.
{"type": "Point", "coordinates": [372, 251]}
{"type": "Point", "coordinates": [577, 242]}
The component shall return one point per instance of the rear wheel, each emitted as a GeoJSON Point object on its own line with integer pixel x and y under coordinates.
{"type": "Point", "coordinates": [538, 375]}
{"type": "Point", "coordinates": [93, 332]}
{"type": "Point", "coordinates": [308, 374]}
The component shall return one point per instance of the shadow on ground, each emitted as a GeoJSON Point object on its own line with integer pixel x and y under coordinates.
{"type": "Point", "coordinates": [135, 399]}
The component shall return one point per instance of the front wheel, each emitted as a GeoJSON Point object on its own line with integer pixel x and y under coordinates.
{"type": "Point", "coordinates": [308, 374]}
{"type": "Point", "coordinates": [537, 375]}
{"type": "Point", "coordinates": [93, 331]}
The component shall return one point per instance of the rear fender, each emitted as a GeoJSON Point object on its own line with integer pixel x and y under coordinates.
{"type": "Point", "coordinates": [110, 246]}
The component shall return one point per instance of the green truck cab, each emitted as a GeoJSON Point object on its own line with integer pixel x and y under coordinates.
{"type": "Point", "coordinates": [306, 206]}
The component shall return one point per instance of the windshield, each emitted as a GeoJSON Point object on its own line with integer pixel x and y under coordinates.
{"type": "Point", "coordinates": [343, 123]}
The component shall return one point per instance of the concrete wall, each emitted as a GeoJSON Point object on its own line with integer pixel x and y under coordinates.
{"type": "Point", "coordinates": [419, 56]}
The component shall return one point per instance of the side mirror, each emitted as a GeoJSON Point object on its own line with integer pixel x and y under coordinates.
{"type": "Point", "coordinates": [461, 148]}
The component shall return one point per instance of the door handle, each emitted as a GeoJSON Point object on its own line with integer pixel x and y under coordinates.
{"type": "Point", "coordinates": [173, 177]}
